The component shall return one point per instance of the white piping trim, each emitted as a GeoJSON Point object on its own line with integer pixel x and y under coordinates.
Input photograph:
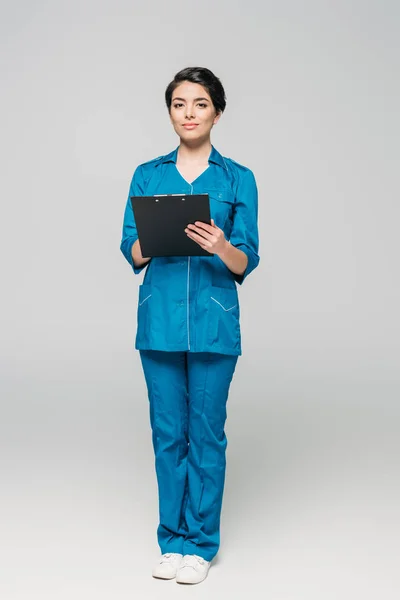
{"type": "Point", "coordinates": [188, 316]}
{"type": "Point", "coordinates": [140, 303]}
{"type": "Point", "coordinates": [225, 309]}
{"type": "Point", "coordinates": [188, 288]}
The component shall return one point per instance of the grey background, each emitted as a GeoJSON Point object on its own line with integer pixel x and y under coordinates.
{"type": "Point", "coordinates": [312, 486]}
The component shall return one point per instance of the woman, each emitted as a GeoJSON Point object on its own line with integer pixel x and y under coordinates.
{"type": "Point", "coordinates": [188, 330]}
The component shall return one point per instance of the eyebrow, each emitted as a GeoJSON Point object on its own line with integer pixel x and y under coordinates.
{"type": "Point", "coordinates": [206, 99]}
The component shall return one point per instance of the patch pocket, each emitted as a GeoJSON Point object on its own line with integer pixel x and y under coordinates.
{"type": "Point", "coordinates": [144, 293]}
{"type": "Point", "coordinates": [221, 205]}
{"type": "Point", "coordinates": [222, 196]}
{"type": "Point", "coordinates": [223, 307]}
{"type": "Point", "coordinates": [144, 300]}
{"type": "Point", "coordinates": [223, 329]}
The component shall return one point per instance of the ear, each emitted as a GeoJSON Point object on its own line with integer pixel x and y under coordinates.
{"type": "Point", "coordinates": [217, 118]}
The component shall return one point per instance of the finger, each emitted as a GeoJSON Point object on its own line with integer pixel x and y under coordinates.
{"type": "Point", "coordinates": [205, 226]}
{"type": "Point", "coordinates": [199, 239]}
{"type": "Point", "coordinates": [207, 235]}
{"type": "Point", "coordinates": [200, 244]}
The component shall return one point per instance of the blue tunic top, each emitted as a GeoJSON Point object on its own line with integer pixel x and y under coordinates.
{"type": "Point", "coordinates": [191, 303]}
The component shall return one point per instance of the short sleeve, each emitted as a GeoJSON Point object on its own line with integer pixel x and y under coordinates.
{"type": "Point", "coordinates": [129, 231]}
{"type": "Point", "coordinates": [244, 234]}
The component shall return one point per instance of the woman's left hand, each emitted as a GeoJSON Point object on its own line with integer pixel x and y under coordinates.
{"type": "Point", "coordinates": [208, 237]}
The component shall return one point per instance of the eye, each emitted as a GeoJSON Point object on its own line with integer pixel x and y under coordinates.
{"type": "Point", "coordinates": [178, 104]}
{"type": "Point", "coordinates": [202, 104]}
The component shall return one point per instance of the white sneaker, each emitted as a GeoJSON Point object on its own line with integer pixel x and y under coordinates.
{"type": "Point", "coordinates": [167, 565]}
{"type": "Point", "coordinates": [192, 569]}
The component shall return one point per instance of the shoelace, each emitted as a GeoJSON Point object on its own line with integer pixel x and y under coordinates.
{"type": "Point", "coordinates": [166, 557]}
{"type": "Point", "coordinates": [192, 560]}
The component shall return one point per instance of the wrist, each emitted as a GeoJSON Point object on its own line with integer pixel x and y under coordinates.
{"type": "Point", "coordinates": [225, 249]}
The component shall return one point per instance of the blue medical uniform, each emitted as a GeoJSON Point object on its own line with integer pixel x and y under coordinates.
{"type": "Point", "coordinates": [188, 335]}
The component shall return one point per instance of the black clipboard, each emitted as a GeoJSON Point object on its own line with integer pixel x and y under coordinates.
{"type": "Point", "coordinates": [161, 221]}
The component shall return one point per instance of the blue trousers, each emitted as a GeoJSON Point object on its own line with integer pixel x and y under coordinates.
{"type": "Point", "coordinates": [187, 393]}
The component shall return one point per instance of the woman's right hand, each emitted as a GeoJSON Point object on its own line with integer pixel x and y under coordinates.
{"type": "Point", "coordinates": [137, 257]}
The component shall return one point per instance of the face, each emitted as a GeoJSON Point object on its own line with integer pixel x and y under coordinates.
{"type": "Point", "coordinates": [192, 112]}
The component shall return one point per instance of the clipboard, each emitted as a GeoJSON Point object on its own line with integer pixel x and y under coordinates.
{"type": "Point", "coordinates": [161, 221]}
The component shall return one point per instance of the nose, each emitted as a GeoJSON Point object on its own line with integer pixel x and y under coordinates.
{"type": "Point", "coordinates": [189, 112]}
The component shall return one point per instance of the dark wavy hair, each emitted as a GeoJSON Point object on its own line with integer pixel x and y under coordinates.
{"type": "Point", "coordinates": [204, 77]}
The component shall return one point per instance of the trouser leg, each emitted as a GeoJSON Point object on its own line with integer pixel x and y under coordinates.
{"type": "Point", "coordinates": [166, 379]}
{"type": "Point", "coordinates": [209, 378]}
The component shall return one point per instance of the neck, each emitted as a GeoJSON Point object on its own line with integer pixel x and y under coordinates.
{"type": "Point", "coordinates": [197, 152]}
